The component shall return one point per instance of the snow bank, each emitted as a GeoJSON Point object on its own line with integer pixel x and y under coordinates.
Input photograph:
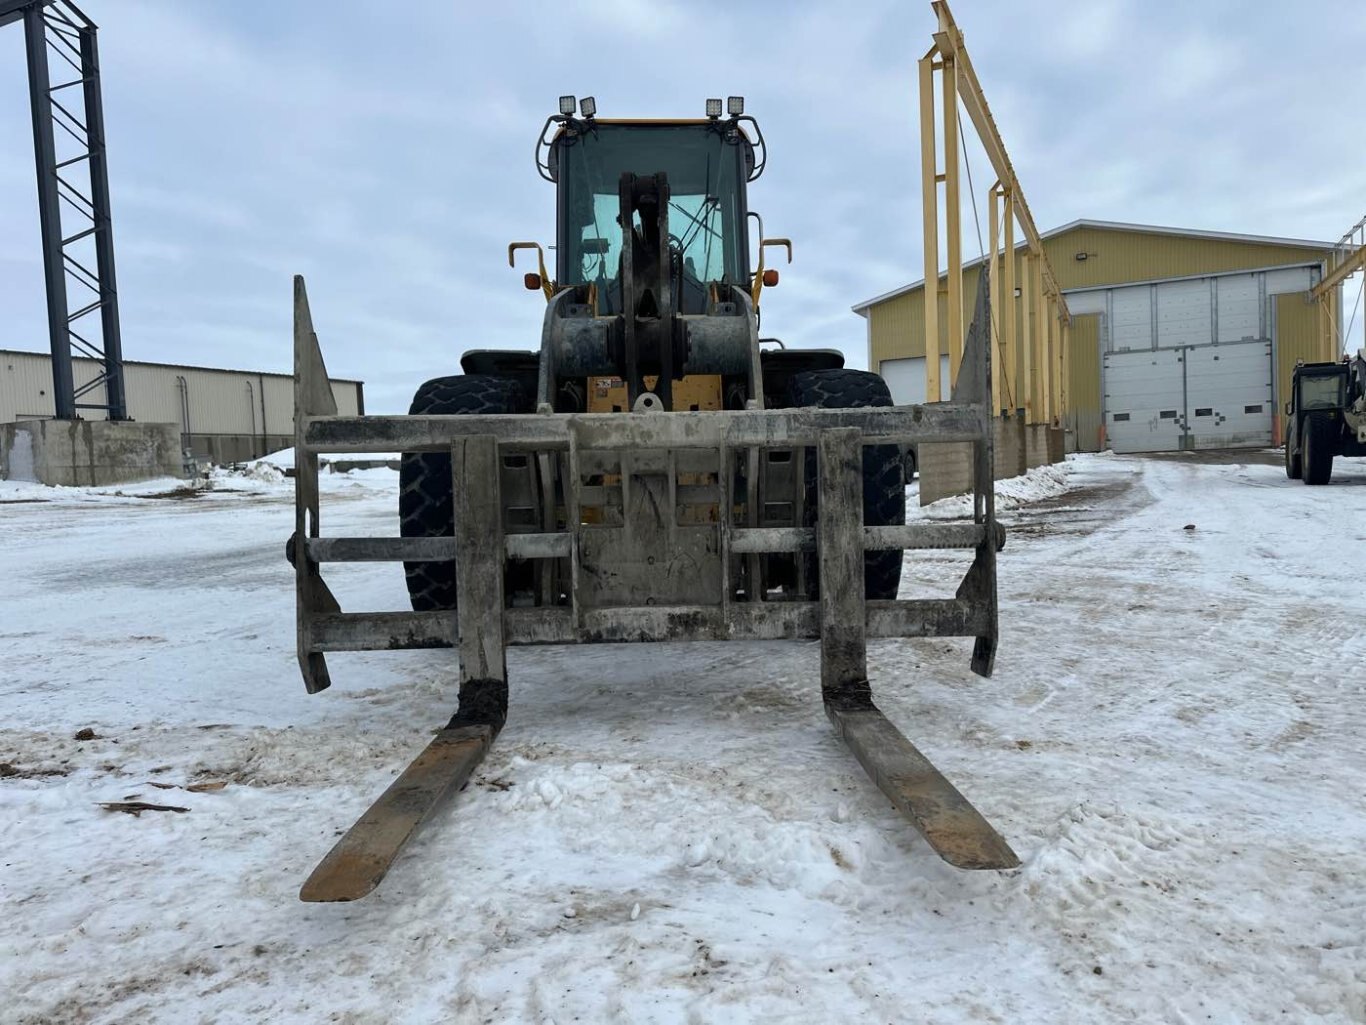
{"type": "Point", "coordinates": [26, 491]}
{"type": "Point", "coordinates": [1039, 484]}
{"type": "Point", "coordinates": [269, 473]}
{"type": "Point", "coordinates": [284, 459]}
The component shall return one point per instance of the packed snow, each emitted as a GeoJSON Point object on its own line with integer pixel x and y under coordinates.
{"type": "Point", "coordinates": [284, 459]}
{"type": "Point", "coordinates": [1171, 742]}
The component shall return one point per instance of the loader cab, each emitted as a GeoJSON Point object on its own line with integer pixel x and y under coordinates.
{"type": "Point", "coordinates": [708, 163]}
{"type": "Point", "coordinates": [1318, 386]}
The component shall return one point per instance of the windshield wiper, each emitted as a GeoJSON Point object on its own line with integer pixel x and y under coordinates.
{"type": "Point", "coordinates": [697, 223]}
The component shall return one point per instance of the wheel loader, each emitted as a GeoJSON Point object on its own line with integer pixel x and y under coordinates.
{"type": "Point", "coordinates": [653, 471]}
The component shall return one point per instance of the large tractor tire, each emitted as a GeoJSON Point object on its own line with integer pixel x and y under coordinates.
{"type": "Point", "coordinates": [1318, 448]}
{"type": "Point", "coordinates": [884, 481]}
{"type": "Point", "coordinates": [425, 507]}
{"type": "Point", "coordinates": [1294, 461]}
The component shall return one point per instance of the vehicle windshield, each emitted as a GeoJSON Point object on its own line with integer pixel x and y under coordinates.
{"type": "Point", "coordinates": [1320, 391]}
{"type": "Point", "coordinates": [705, 209]}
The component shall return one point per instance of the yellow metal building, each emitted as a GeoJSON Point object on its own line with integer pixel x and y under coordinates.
{"type": "Point", "coordinates": [1179, 339]}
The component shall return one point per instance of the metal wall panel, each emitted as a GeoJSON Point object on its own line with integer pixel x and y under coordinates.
{"type": "Point", "coordinates": [1082, 303]}
{"type": "Point", "coordinates": [1237, 313]}
{"type": "Point", "coordinates": [1290, 279]}
{"type": "Point", "coordinates": [1130, 324]}
{"type": "Point", "coordinates": [1085, 411]}
{"type": "Point", "coordinates": [220, 401]}
{"type": "Point", "coordinates": [896, 326]}
{"type": "Point", "coordinates": [279, 402]}
{"type": "Point", "coordinates": [1228, 395]}
{"type": "Point", "coordinates": [1115, 256]}
{"type": "Point", "coordinates": [1295, 320]}
{"type": "Point", "coordinates": [1143, 401]}
{"type": "Point", "coordinates": [1184, 313]}
{"type": "Point", "coordinates": [25, 386]}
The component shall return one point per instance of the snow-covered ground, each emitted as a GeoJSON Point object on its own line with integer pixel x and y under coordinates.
{"type": "Point", "coordinates": [1172, 742]}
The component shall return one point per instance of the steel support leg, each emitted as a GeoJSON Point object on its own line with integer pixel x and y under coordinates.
{"type": "Point", "coordinates": [49, 212]}
{"type": "Point", "coordinates": [111, 340]}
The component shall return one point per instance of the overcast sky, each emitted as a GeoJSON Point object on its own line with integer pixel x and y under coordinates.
{"type": "Point", "coordinates": [384, 151]}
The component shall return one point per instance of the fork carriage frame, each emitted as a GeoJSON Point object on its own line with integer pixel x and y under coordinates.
{"type": "Point", "coordinates": [647, 452]}
{"type": "Point", "coordinates": [478, 444]}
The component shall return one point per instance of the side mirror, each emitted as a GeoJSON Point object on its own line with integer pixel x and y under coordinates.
{"type": "Point", "coordinates": [543, 281]}
{"type": "Point", "coordinates": [761, 276]}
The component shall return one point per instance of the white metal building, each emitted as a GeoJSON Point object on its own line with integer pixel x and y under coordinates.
{"type": "Point", "coordinates": [224, 415]}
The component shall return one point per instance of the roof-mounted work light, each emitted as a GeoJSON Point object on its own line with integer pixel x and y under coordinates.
{"type": "Point", "coordinates": [714, 107]}
{"type": "Point", "coordinates": [567, 105]}
{"type": "Point", "coordinates": [588, 107]}
{"type": "Point", "coordinates": [735, 105]}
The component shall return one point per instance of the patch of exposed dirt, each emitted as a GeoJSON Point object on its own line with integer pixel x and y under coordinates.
{"type": "Point", "coordinates": [180, 494]}
{"type": "Point", "coordinates": [1222, 456]}
{"type": "Point", "coordinates": [1079, 512]}
{"type": "Point", "coordinates": [8, 770]}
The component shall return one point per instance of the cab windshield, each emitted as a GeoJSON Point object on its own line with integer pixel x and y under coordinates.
{"type": "Point", "coordinates": [706, 216]}
{"type": "Point", "coordinates": [1320, 391]}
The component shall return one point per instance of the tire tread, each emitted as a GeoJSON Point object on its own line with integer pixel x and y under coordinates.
{"type": "Point", "coordinates": [884, 482]}
{"type": "Point", "coordinates": [425, 506]}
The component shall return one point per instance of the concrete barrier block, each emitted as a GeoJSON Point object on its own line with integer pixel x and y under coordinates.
{"type": "Point", "coordinates": [1057, 444]}
{"type": "Point", "coordinates": [76, 453]}
{"type": "Point", "coordinates": [945, 470]}
{"type": "Point", "coordinates": [1010, 447]}
{"type": "Point", "coordinates": [1036, 445]}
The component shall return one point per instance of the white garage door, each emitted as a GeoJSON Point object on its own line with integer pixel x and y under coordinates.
{"type": "Point", "coordinates": [1131, 320]}
{"type": "Point", "coordinates": [1183, 313]}
{"type": "Point", "coordinates": [906, 379]}
{"type": "Point", "coordinates": [1237, 308]}
{"type": "Point", "coordinates": [1143, 400]}
{"type": "Point", "coordinates": [1208, 396]}
{"type": "Point", "coordinates": [1228, 392]}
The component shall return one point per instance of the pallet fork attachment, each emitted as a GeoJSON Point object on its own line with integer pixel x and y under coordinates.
{"type": "Point", "coordinates": [649, 452]}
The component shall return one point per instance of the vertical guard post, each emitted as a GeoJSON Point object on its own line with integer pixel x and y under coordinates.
{"type": "Point", "coordinates": [974, 386]}
{"type": "Point", "coordinates": [479, 555]}
{"type": "Point", "coordinates": [839, 533]}
{"type": "Point", "coordinates": [312, 397]}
